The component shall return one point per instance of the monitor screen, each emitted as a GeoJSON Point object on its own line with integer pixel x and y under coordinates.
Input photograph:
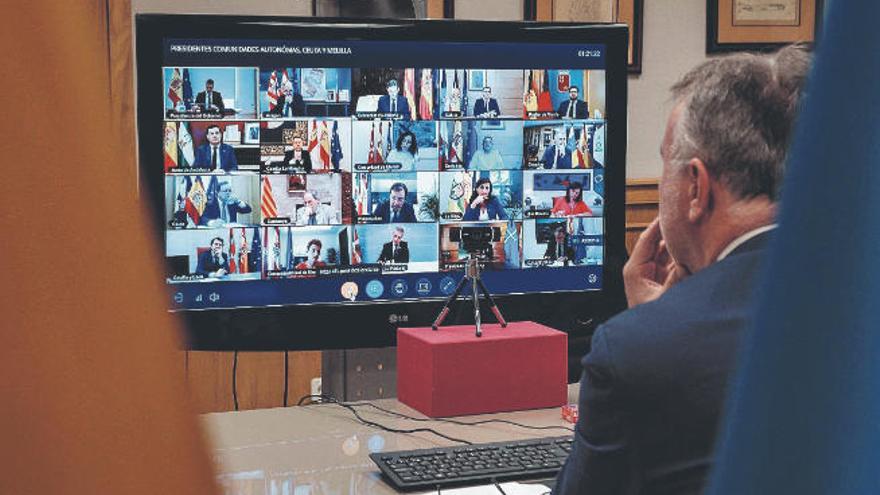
{"type": "Point", "coordinates": [304, 170]}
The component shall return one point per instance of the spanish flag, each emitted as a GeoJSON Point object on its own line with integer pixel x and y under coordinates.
{"type": "Point", "coordinates": [196, 200]}
{"type": "Point", "coordinates": [170, 145]}
{"type": "Point", "coordinates": [175, 87]}
{"type": "Point", "coordinates": [409, 90]}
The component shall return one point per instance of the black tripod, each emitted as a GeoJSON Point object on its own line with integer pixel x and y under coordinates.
{"type": "Point", "coordinates": [472, 273]}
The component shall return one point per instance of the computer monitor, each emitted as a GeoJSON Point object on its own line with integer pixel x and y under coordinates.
{"type": "Point", "coordinates": [317, 183]}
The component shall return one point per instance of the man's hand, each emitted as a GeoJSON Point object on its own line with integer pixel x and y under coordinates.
{"type": "Point", "coordinates": [650, 270]}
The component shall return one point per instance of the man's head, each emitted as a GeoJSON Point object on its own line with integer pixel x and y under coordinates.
{"type": "Point", "coordinates": [213, 134]}
{"type": "Point", "coordinates": [310, 199]}
{"type": "Point", "coordinates": [209, 85]}
{"type": "Point", "coordinates": [392, 88]}
{"type": "Point", "coordinates": [559, 139]}
{"type": "Point", "coordinates": [488, 143]}
{"type": "Point", "coordinates": [397, 235]}
{"type": "Point", "coordinates": [573, 93]}
{"type": "Point", "coordinates": [397, 195]}
{"type": "Point", "coordinates": [487, 93]}
{"type": "Point", "coordinates": [724, 149]}
{"type": "Point", "coordinates": [217, 246]}
{"type": "Point", "coordinates": [224, 190]}
{"type": "Point", "coordinates": [297, 143]}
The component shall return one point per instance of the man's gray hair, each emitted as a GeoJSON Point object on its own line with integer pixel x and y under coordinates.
{"type": "Point", "coordinates": [738, 118]}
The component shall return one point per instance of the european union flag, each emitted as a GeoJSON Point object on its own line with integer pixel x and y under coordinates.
{"type": "Point", "coordinates": [335, 147]}
{"type": "Point", "coordinates": [187, 90]}
{"type": "Point", "coordinates": [803, 413]}
{"type": "Point", "coordinates": [255, 257]}
{"type": "Point", "coordinates": [294, 81]}
{"type": "Point", "coordinates": [471, 144]}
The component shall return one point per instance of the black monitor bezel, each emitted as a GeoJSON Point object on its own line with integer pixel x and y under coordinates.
{"type": "Point", "coordinates": [341, 326]}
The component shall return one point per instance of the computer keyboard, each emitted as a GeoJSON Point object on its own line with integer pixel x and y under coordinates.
{"type": "Point", "coordinates": [473, 464]}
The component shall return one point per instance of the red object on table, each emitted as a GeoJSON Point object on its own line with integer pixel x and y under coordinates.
{"type": "Point", "coordinates": [452, 372]}
{"type": "Point", "coordinates": [570, 413]}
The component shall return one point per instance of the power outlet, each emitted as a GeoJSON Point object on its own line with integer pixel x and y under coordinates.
{"type": "Point", "coordinates": [316, 386]}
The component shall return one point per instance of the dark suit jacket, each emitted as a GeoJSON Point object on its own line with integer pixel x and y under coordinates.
{"type": "Point", "coordinates": [655, 381]}
{"type": "Point", "coordinates": [401, 256]}
{"type": "Point", "coordinates": [563, 162]}
{"type": "Point", "coordinates": [551, 251]}
{"type": "Point", "coordinates": [226, 154]}
{"type": "Point", "coordinates": [212, 212]}
{"type": "Point", "coordinates": [216, 100]}
{"type": "Point", "coordinates": [480, 107]}
{"type": "Point", "coordinates": [297, 105]}
{"type": "Point", "coordinates": [407, 213]}
{"type": "Point", "coordinates": [580, 109]}
{"type": "Point", "coordinates": [306, 160]}
{"type": "Point", "coordinates": [402, 106]}
{"type": "Point", "coordinates": [207, 265]}
{"type": "Point", "coordinates": [493, 209]}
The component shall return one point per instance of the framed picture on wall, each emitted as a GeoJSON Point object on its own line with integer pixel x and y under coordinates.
{"type": "Point", "coordinates": [760, 25]}
{"type": "Point", "coordinates": [629, 12]}
{"type": "Point", "coordinates": [476, 80]}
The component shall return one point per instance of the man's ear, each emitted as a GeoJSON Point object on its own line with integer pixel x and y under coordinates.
{"type": "Point", "coordinates": [699, 194]}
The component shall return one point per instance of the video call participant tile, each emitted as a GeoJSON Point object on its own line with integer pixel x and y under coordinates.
{"type": "Point", "coordinates": [210, 92]}
{"type": "Point", "coordinates": [496, 244]}
{"type": "Point", "coordinates": [398, 248]}
{"type": "Point", "coordinates": [480, 196]}
{"type": "Point", "coordinates": [310, 145]}
{"type": "Point", "coordinates": [556, 243]}
{"type": "Point", "coordinates": [395, 197]}
{"type": "Point", "coordinates": [211, 146]}
{"type": "Point", "coordinates": [485, 94]}
{"type": "Point", "coordinates": [562, 145]}
{"type": "Point", "coordinates": [394, 146]}
{"type": "Point", "coordinates": [563, 193]}
{"type": "Point", "coordinates": [224, 254]}
{"type": "Point", "coordinates": [393, 94]}
{"type": "Point", "coordinates": [301, 199]}
{"type": "Point", "coordinates": [211, 201]}
{"type": "Point", "coordinates": [481, 145]}
{"type": "Point", "coordinates": [571, 94]}
{"type": "Point", "coordinates": [289, 92]}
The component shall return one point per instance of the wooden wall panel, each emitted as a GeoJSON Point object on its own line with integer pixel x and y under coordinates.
{"type": "Point", "coordinates": [209, 378]}
{"type": "Point", "coordinates": [544, 11]}
{"type": "Point", "coordinates": [303, 367]}
{"type": "Point", "coordinates": [260, 380]}
{"type": "Point", "coordinates": [435, 9]}
{"type": "Point", "coordinates": [642, 201]}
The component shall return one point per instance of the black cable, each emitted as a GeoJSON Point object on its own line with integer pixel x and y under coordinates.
{"type": "Point", "coordinates": [234, 371]}
{"type": "Point", "coordinates": [286, 368]}
{"type": "Point", "coordinates": [462, 423]}
{"type": "Point", "coordinates": [499, 487]}
{"type": "Point", "coordinates": [441, 420]}
{"type": "Point", "coordinates": [382, 427]}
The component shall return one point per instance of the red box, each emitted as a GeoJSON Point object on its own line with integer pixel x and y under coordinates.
{"type": "Point", "coordinates": [452, 372]}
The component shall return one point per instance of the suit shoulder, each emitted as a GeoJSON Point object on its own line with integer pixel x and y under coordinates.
{"type": "Point", "coordinates": [705, 310]}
